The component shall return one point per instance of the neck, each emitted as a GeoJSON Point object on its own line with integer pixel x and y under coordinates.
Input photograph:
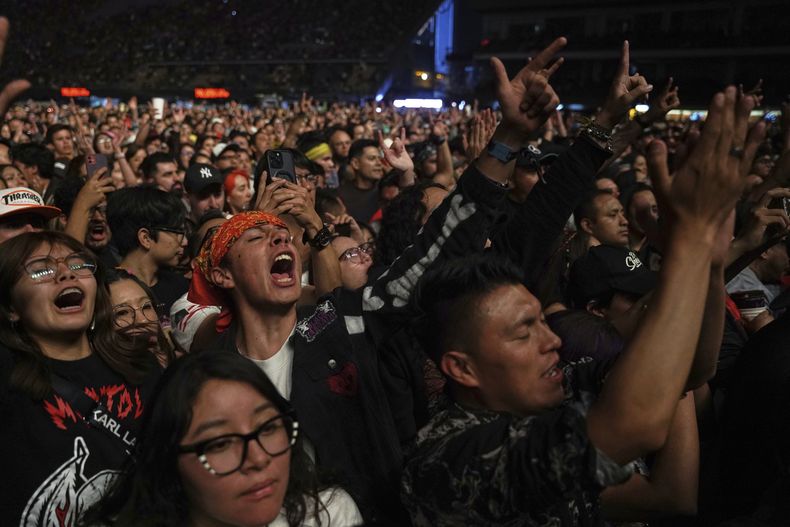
{"type": "Point", "coordinates": [262, 332]}
{"type": "Point", "coordinates": [139, 264]}
{"type": "Point", "coordinates": [363, 183]}
{"type": "Point", "coordinates": [64, 347]}
{"type": "Point", "coordinates": [636, 241]}
{"type": "Point", "coordinates": [518, 196]}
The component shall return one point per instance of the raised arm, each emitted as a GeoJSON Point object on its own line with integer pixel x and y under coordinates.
{"type": "Point", "coordinates": [633, 414]}
{"type": "Point", "coordinates": [463, 222]}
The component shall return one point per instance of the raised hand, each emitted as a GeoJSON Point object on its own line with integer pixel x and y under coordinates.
{"type": "Point", "coordinates": [528, 99]}
{"type": "Point", "coordinates": [625, 91]}
{"type": "Point", "coordinates": [705, 188]}
{"type": "Point", "coordinates": [480, 133]}
{"type": "Point", "coordinates": [13, 89]}
{"type": "Point", "coordinates": [396, 155]}
{"type": "Point", "coordinates": [666, 101]}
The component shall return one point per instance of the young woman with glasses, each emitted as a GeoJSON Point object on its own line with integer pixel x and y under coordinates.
{"type": "Point", "coordinates": [221, 447]}
{"type": "Point", "coordinates": [72, 390]}
{"type": "Point", "coordinates": [137, 314]}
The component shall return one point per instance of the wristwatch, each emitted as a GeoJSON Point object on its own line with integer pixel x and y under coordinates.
{"type": "Point", "coordinates": [320, 240]}
{"type": "Point", "coordinates": [501, 151]}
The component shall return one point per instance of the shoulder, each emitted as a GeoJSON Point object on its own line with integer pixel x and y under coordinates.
{"type": "Point", "coordinates": [340, 508]}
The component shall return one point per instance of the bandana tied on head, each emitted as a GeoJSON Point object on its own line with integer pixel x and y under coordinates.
{"type": "Point", "coordinates": [202, 290]}
{"type": "Point", "coordinates": [318, 151]}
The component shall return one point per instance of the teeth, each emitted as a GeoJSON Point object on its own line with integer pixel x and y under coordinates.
{"type": "Point", "coordinates": [284, 256]}
{"type": "Point", "coordinates": [70, 290]}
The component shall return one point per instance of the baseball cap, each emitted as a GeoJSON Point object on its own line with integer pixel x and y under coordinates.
{"type": "Point", "coordinates": [606, 269]}
{"type": "Point", "coordinates": [22, 200]}
{"type": "Point", "coordinates": [200, 176]}
{"type": "Point", "coordinates": [533, 157]}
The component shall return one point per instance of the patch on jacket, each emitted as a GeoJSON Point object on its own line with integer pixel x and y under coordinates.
{"type": "Point", "coordinates": [345, 381]}
{"type": "Point", "coordinates": [315, 324]}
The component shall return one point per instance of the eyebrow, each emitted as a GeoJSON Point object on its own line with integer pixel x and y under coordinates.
{"type": "Point", "coordinates": [208, 425]}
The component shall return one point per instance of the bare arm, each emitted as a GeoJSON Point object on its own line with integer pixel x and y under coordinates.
{"type": "Point", "coordinates": [636, 407]}
{"type": "Point", "coordinates": [671, 487]}
{"type": "Point", "coordinates": [92, 194]}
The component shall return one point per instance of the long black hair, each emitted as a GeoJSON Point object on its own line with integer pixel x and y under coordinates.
{"type": "Point", "coordinates": [151, 487]}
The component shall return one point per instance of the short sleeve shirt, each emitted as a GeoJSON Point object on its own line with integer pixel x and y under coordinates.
{"type": "Point", "coordinates": [485, 468]}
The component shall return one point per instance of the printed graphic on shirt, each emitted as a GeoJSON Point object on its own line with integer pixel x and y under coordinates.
{"type": "Point", "coordinates": [316, 323]}
{"type": "Point", "coordinates": [119, 402]}
{"type": "Point", "coordinates": [67, 492]}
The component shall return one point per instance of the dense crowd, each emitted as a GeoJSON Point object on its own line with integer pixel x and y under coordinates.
{"type": "Point", "coordinates": [339, 314]}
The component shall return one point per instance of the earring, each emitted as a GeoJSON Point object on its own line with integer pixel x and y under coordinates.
{"type": "Point", "coordinates": [93, 324]}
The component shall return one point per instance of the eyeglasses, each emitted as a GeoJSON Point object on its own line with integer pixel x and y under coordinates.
{"type": "Point", "coordinates": [180, 233]}
{"type": "Point", "coordinates": [101, 209]}
{"type": "Point", "coordinates": [354, 254]}
{"type": "Point", "coordinates": [124, 315]}
{"type": "Point", "coordinates": [227, 453]}
{"type": "Point", "coordinates": [42, 269]}
{"type": "Point", "coordinates": [312, 178]}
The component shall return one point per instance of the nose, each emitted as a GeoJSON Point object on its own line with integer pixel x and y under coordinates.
{"type": "Point", "coordinates": [216, 202]}
{"type": "Point", "coordinates": [552, 341]}
{"type": "Point", "coordinates": [64, 272]}
{"type": "Point", "coordinates": [257, 457]}
{"type": "Point", "coordinates": [280, 237]}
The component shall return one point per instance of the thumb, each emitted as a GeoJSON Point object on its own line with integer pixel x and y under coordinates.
{"type": "Point", "coordinates": [11, 91]}
{"type": "Point", "coordinates": [499, 72]}
{"type": "Point", "coordinates": [658, 168]}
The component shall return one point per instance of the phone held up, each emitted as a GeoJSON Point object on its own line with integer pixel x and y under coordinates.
{"type": "Point", "coordinates": [281, 165]}
{"type": "Point", "coordinates": [95, 162]}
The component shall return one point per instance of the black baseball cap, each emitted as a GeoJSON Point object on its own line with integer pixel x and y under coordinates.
{"type": "Point", "coordinates": [607, 269]}
{"type": "Point", "coordinates": [200, 176]}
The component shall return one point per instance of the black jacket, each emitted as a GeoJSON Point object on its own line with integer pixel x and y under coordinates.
{"type": "Point", "coordinates": [336, 388]}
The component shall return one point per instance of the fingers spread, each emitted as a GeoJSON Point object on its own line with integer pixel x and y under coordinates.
{"type": "Point", "coordinates": [542, 59]}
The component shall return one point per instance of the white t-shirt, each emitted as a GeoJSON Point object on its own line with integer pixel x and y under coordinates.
{"type": "Point", "coordinates": [278, 367]}
{"type": "Point", "coordinates": [340, 511]}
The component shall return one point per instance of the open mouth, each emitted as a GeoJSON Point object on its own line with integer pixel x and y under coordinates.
{"type": "Point", "coordinates": [97, 232]}
{"type": "Point", "coordinates": [282, 270]}
{"type": "Point", "coordinates": [554, 373]}
{"type": "Point", "coordinates": [70, 299]}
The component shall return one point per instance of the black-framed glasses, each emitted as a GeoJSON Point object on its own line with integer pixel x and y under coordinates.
{"type": "Point", "coordinates": [180, 233]}
{"type": "Point", "coordinates": [227, 453]}
{"type": "Point", "coordinates": [124, 315]}
{"type": "Point", "coordinates": [312, 178]}
{"type": "Point", "coordinates": [354, 254]}
{"type": "Point", "coordinates": [45, 268]}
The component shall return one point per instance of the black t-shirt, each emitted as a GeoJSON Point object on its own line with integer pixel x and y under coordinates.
{"type": "Point", "coordinates": [55, 464]}
{"type": "Point", "coordinates": [169, 288]}
{"type": "Point", "coordinates": [361, 204]}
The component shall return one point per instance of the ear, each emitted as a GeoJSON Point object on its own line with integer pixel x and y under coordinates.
{"type": "Point", "coordinates": [458, 367]}
{"type": "Point", "coordinates": [594, 308]}
{"type": "Point", "coordinates": [144, 239]}
{"type": "Point", "coordinates": [63, 221]}
{"type": "Point", "coordinates": [222, 278]}
{"type": "Point", "coordinates": [586, 225]}
{"type": "Point", "coordinates": [764, 255]}
{"type": "Point", "coordinates": [354, 163]}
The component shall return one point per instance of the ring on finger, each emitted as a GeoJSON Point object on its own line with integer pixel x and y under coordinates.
{"type": "Point", "coordinates": [736, 151]}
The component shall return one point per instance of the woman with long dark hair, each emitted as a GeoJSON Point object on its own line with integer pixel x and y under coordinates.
{"type": "Point", "coordinates": [72, 391]}
{"type": "Point", "coordinates": [221, 446]}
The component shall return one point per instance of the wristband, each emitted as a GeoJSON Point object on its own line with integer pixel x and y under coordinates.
{"type": "Point", "coordinates": [320, 240]}
{"type": "Point", "coordinates": [437, 140]}
{"type": "Point", "coordinates": [501, 152]}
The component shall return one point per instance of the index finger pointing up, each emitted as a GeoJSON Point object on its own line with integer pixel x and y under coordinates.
{"type": "Point", "coordinates": [625, 60]}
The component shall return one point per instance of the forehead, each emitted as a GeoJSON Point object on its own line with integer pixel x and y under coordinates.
{"type": "Point", "coordinates": [607, 203]}
{"type": "Point", "coordinates": [505, 305]}
{"type": "Point", "coordinates": [343, 243]}
{"type": "Point", "coordinates": [126, 290]}
{"type": "Point", "coordinates": [46, 249]}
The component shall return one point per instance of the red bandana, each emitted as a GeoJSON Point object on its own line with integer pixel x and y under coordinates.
{"type": "Point", "coordinates": [202, 290]}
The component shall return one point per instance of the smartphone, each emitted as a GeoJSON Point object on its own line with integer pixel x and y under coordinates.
{"type": "Point", "coordinates": [281, 165]}
{"type": "Point", "coordinates": [755, 299]}
{"type": "Point", "coordinates": [95, 162]}
{"type": "Point", "coordinates": [343, 229]}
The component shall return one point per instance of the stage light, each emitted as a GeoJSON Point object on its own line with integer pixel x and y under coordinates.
{"type": "Point", "coordinates": [435, 104]}
{"type": "Point", "coordinates": [641, 108]}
